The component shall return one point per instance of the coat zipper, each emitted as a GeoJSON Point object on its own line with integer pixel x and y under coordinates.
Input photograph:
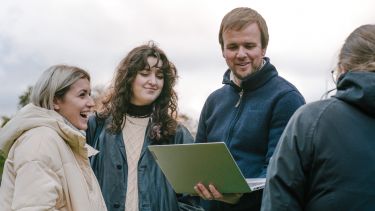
{"type": "Point", "coordinates": [234, 120]}
{"type": "Point", "coordinates": [239, 100]}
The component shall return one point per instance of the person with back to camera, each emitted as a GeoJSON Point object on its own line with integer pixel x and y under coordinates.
{"type": "Point", "coordinates": [140, 110]}
{"type": "Point", "coordinates": [324, 159]}
{"type": "Point", "coordinates": [47, 166]}
{"type": "Point", "coordinates": [250, 111]}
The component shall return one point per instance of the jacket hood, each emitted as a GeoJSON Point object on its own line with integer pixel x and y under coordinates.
{"type": "Point", "coordinates": [358, 88]}
{"type": "Point", "coordinates": [32, 116]}
{"type": "Point", "coordinates": [255, 80]}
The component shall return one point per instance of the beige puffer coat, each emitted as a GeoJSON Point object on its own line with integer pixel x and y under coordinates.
{"type": "Point", "coordinates": [47, 166]}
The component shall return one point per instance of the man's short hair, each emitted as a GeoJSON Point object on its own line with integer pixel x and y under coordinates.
{"type": "Point", "coordinates": [240, 18]}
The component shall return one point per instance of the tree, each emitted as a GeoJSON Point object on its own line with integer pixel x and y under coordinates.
{"type": "Point", "coordinates": [189, 123]}
{"type": "Point", "coordinates": [4, 120]}
{"type": "Point", "coordinates": [98, 93]}
{"type": "Point", "coordinates": [24, 99]}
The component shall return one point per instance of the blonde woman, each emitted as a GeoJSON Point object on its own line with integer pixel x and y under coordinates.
{"type": "Point", "coordinates": [47, 165]}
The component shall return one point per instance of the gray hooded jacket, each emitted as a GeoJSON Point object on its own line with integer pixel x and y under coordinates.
{"type": "Point", "coordinates": [325, 157]}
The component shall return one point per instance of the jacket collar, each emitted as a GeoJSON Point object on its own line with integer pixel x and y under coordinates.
{"type": "Point", "coordinates": [358, 88]}
{"type": "Point", "coordinates": [255, 80]}
{"type": "Point", "coordinates": [32, 116]}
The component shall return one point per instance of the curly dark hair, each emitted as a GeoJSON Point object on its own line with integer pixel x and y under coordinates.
{"type": "Point", "coordinates": [116, 103]}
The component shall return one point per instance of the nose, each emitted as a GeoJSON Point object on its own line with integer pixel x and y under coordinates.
{"type": "Point", "coordinates": [152, 79]}
{"type": "Point", "coordinates": [241, 52]}
{"type": "Point", "coordinates": [90, 102]}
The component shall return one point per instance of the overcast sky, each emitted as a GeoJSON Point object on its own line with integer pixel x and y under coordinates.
{"type": "Point", "coordinates": [305, 37]}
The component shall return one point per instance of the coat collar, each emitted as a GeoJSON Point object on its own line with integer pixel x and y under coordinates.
{"type": "Point", "coordinates": [32, 116]}
{"type": "Point", "coordinates": [255, 80]}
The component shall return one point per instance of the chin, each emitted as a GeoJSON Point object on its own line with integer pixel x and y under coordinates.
{"type": "Point", "coordinates": [148, 101]}
{"type": "Point", "coordinates": [81, 126]}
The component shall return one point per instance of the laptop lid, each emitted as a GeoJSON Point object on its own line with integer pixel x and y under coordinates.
{"type": "Point", "coordinates": [185, 165]}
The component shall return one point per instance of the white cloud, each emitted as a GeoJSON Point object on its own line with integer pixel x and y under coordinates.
{"type": "Point", "coordinates": [95, 34]}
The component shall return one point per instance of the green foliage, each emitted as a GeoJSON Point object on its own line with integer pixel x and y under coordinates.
{"type": "Point", "coordinates": [4, 120]}
{"type": "Point", "coordinates": [2, 161]}
{"type": "Point", "coordinates": [24, 99]}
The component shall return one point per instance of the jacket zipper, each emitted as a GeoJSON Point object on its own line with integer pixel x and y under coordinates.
{"type": "Point", "coordinates": [234, 120]}
{"type": "Point", "coordinates": [239, 100]}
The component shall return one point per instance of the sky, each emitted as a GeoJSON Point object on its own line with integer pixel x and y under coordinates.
{"type": "Point", "coordinates": [305, 38]}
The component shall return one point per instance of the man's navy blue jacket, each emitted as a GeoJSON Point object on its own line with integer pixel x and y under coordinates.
{"type": "Point", "coordinates": [250, 120]}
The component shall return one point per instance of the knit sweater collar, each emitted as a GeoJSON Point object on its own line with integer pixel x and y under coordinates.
{"type": "Point", "coordinates": [139, 111]}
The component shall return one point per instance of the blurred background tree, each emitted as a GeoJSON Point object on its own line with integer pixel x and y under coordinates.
{"type": "Point", "coordinates": [23, 100]}
{"type": "Point", "coordinates": [189, 123]}
{"type": "Point", "coordinates": [4, 120]}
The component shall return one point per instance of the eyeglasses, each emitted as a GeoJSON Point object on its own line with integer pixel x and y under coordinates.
{"type": "Point", "coordinates": [335, 75]}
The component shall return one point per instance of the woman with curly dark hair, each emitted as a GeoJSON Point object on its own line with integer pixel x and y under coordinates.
{"type": "Point", "coordinates": [139, 110]}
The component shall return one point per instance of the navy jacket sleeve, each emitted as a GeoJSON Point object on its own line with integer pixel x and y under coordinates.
{"type": "Point", "coordinates": [201, 136]}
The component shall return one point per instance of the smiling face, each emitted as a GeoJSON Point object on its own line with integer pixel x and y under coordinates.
{"type": "Point", "coordinates": [148, 83]}
{"type": "Point", "coordinates": [243, 50]}
{"type": "Point", "coordinates": [76, 104]}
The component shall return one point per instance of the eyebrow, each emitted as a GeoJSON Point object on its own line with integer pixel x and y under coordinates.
{"type": "Point", "coordinates": [147, 67]}
{"type": "Point", "coordinates": [154, 67]}
{"type": "Point", "coordinates": [84, 90]}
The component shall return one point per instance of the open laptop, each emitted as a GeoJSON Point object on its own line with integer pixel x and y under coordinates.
{"type": "Point", "coordinates": [184, 165]}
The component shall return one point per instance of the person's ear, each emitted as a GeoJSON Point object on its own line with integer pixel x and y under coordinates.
{"type": "Point", "coordinates": [264, 52]}
{"type": "Point", "coordinates": [56, 105]}
{"type": "Point", "coordinates": [342, 69]}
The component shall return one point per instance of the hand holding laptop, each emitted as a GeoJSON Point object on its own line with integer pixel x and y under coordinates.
{"type": "Point", "coordinates": [211, 193]}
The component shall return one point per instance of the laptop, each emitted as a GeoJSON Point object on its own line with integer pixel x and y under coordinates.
{"type": "Point", "coordinates": [185, 165]}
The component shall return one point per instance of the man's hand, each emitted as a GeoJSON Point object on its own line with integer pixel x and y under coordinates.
{"type": "Point", "coordinates": [213, 194]}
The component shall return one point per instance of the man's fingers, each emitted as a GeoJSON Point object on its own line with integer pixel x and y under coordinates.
{"type": "Point", "coordinates": [216, 194]}
{"type": "Point", "coordinates": [198, 192]}
{"type": "Point", "coordinates": [203, 192]}
{"type": "Point", "coordinates": [211, 193]}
